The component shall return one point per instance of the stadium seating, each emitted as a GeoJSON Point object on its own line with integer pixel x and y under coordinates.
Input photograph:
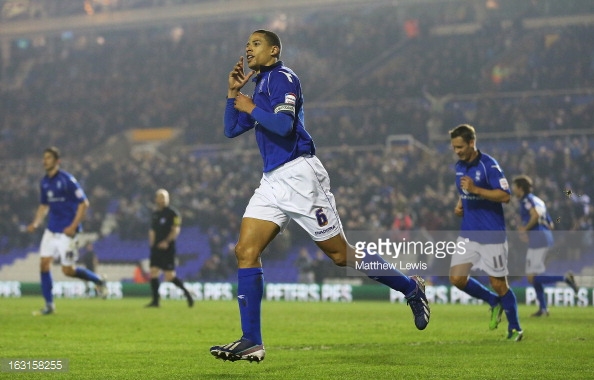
{"type": "Point", "coordinates": [86, 95]}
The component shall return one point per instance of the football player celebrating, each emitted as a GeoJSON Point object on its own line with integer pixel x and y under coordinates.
{"type": "Point", "coordinates": [294, 185]}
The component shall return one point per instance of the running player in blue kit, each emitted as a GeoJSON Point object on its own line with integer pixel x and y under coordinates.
{"type": "Point", "coordinates": [482, 188]}
{"type": "Point", "coordinates": [65, 203]}
{"type": "Point", "coordinates": [537, 225]}
{"type": "Point", "coordinates": [294, 185]}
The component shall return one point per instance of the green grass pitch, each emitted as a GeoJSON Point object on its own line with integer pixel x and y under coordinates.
{"type": "Point", "coordinates": [120, 339]}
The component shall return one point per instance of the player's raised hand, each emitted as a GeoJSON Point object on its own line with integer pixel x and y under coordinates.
{"type": "Point", "coordinates": [237, 78]}
{"type": "Point", "coordinates": [244, 103]}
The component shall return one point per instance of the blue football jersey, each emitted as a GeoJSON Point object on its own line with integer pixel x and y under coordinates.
{"type": "Point", "coordinates": [278, 89]}
{"type": "Point", "coordinates": [62, 193]}
{"type": "Point", "coordinates": [540, 235]}
{"type": "Point", "coordinates": [481, 215]}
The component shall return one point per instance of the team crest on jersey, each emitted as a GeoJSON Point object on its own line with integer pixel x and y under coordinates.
{"type": "Point", "coordinates": [290, 98]}
{"type": "Point", "coordinates": [477, 176]}
{"type": "Point", "coordinates": [162, 220]}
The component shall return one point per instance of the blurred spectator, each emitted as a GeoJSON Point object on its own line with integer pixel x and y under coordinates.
{"type": "Point", "coordinates": [322, 267]}
{"type": "Point", "coordinates": [304, 267]}
{"type": "Point", "coordinates": [212, 269]}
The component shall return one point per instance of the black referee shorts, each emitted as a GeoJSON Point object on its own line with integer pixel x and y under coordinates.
{"type": "Point", "coordinates": [162, 259]}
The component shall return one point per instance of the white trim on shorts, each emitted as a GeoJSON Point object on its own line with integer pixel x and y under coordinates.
{"type": "Point", "coordinates": [491, 258]}
{"type": "Point", "coordinates": [56, 244]}
{"type": "Point", "coordinates": [298, 190]}
{"type": "Point", "coordinates": [535, 260]}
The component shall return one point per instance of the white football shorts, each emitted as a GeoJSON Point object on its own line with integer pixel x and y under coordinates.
{"type": "Point", "coordinates": [535, 260]}
{"type": "Point", "coordinates": [491, 258]}
{"type": "Point", "coordinates": [54, 244]}
{"type": "Point", "coordinates": [299, 190]}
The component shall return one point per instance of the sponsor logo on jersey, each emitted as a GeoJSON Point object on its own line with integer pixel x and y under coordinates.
{"type": "Point", "coordinates": [470, 197]}
{"type": "Point", "coordinates": [325, 230]}
{"type": "Point", "coordinates": [287, 74]}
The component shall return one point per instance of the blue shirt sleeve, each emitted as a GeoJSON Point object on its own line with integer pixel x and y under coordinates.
{"type": "Point", "coordinates": [496, 178]}
{"type": "Point", "coordinates": [279, 123]}
{"type": "Point", "coordinates": [76, 193]}
{"type": "Point", "coordinates": [280, 117]}
{"type": "Point", "coordinates": [525, 206]}
{"type": "Point", "coordinates": [235, 122]}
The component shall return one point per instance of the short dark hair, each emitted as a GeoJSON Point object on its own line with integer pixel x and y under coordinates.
{"type": "Point", "coordinates": [53, 151]}
{"type": "Point", "coordinates": [272, 38]}
{"type": "Point", "coordinates": [466, 131]}
{"type": "Point", "coordinates": [523, 182]}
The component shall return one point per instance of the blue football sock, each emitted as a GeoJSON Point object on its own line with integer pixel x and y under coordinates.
{"type": "Point", "coordinates": [250, 290]}
{"type": "Point", "coordinates": [478, 290]}
{"type": "Point", "coordinates": [391, 277]}
{"type": "Point", "coordinates": [548, 279]}
{"type": "Point", "coordinates": [538, 283]}
{"type": "Point", "coordinates": [85, 274]}
{"type": "Point", "coordinates": [510, 306]}
{"type": "Point", "coordinates": [540, 296]}
{"type": "Point", "coordinates": [46, 287]}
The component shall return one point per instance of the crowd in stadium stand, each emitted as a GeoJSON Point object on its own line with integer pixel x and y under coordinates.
{"type": "Point", "coordinates": [397, 189]}
{"type": "Point", "coordinates": [77, 93]}
{"type": "Point", "coordinates": [84, 89]}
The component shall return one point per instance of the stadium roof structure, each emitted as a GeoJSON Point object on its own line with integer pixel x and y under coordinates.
{"type": "Point", "coordinates": [152, 16]}
{"type": "Point", "coordinates": [20, 18]}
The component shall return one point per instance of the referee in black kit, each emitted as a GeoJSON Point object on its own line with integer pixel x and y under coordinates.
{"type": "Point", "coordinates": [165, 228]}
